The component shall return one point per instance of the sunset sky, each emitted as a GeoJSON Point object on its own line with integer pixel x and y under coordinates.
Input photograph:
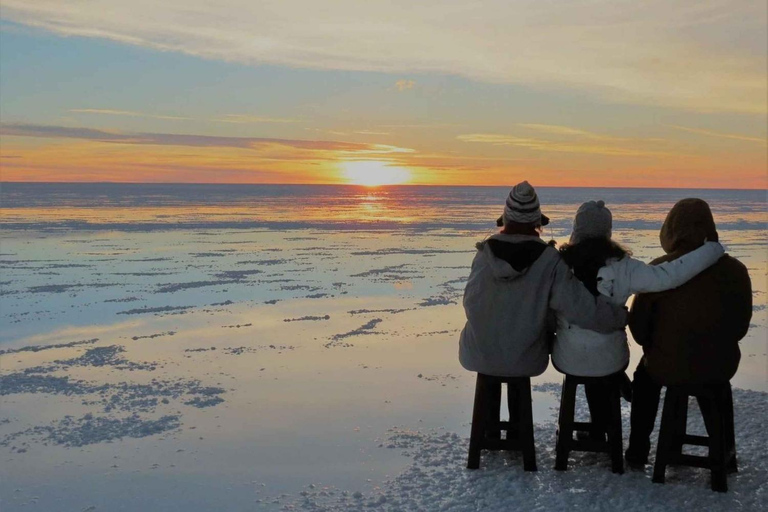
{"type": "Point", "coordinates": [563, 93]}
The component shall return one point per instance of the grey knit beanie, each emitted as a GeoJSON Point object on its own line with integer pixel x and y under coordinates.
{"type": "Point", "coordinates": [522, 206]}
{"type": "Point", "coordinates": [593, 220]}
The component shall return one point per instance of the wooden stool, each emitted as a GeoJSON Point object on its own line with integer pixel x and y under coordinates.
{"type": "Point", "coordinates": [716, 404]}
{"type": "Point", "coordinates": [596, 441]}
{"type": "Point", "coordinates": [487, 427]}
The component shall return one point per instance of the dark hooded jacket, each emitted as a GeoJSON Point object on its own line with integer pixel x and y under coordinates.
{"type": "Point", "coordinates": [690, 335]}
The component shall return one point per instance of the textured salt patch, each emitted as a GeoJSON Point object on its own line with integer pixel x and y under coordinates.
{"type": "Point", "coordinates": [317, 296]}
{"type": "Point", "coordinates": [144, 274]}
{"type": "Point", "coordinates": [443, 379]}
{"type": "Point", "coordinates": [266, 262]}
{"type": "Point", "coordinates": [91, 429]}
{"type": "Point", "coordinates": [436, 479]}
{"type": "Point", "coordinates": [102, 356]}
{"type": "Point", "coordinates": [38, 348]}
{"type": "Point", "coordinates": [162, 309]}
{"type": "Point", "coordinates": [436, 333]}
{"type": "Point", "coordinates": [308, 319]}
{"type": "Point", "coordinates": [125, 299]}
{"type": "Point", "coordinates": [367, 311]}
{"type": "Point", "coordinates": [388, 274]}
{"type": "Point", "coordinates": [238, 274]}
{"type": "Point", "coordinates": [296, 287]}
{"type": "Point", "coordinates": [363, 330]}
{"type": "Point", "coordinates": [440, 300]}
{"type": "Point", "coordinates": [413, 252]}
{"type": "Point", "coordinates": [120, 397]}
{"type": "Point", "coordinates": [52, 288]}
{"type": "Point", "coordinates": [175, 287]}
{"type": "Point", "coordinates": [153, 336]}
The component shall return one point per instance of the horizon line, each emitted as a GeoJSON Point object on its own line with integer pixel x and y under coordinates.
{"type": "Point", "coordinates": [358, 186]}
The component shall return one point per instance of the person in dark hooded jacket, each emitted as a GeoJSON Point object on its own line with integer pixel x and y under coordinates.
{"type": "Point", "coordinates": [690, 335]}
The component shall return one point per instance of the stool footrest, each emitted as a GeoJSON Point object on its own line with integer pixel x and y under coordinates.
{"type": "Point", "coordinates": [696, 440]}
{"type": "Point", "coordinates": [696, 461]}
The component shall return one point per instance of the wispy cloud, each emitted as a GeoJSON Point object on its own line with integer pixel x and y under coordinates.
{"type": "Point", "coordinates": [404, 85]}
{"type": "Point", "coordinates": [129, 113]}
{"type": "Point", "coordinates": [246, 119]}
{"type": "Point", "coordinates": [704, 55]}
{"type": "Point", "coordinates": [560, 146]}
{"type": "Point", "coordinates": [762, 141]}
{"type": "Point", "coordinates": [570, 132]}
{"type": "Point", "coordinates": [201, 141]}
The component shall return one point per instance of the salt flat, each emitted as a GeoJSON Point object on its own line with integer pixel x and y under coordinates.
{"type": "Point", "coordinates": [264, 367]}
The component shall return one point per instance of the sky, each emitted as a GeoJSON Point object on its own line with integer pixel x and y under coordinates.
{"type": "Point", "coordinates": [614, 93]}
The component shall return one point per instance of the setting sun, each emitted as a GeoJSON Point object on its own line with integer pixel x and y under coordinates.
{"type": "Point", "coordinates": [371, 173]}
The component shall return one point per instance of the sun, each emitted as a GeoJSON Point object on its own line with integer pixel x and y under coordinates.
{"type": "Point", "coordinates": [372, 173]}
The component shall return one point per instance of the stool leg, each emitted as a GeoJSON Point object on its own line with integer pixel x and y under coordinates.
{"type": "Point", "coordinates": [525, 408]}
{"type": "Point", "coordinates": [717, 446]}
{"type": "Point", "coordinates": [565, 424]}
{"type": "Point", "coordinates": [732, 466]}
{"type": "Point", "coordinates": [478, 424]}
{"type": "Point", "coordinates": [680, 428]}
{"type": "Point", "coordinates": [666, 438]}
{"type": "Point", "coordinates": [514, 405]}
{"type": "Point", "coordinates": [615, 440]}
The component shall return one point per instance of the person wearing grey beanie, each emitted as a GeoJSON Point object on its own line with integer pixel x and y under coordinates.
{"type": "Point", "coordinates": [593, 220]}
{"type": "Point", "coordinates": [607, 269]}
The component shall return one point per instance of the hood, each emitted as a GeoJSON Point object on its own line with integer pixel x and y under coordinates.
{"type": "Point", "coordinates": [687, 225]}
{"type": "Point", "coordinates": [510, 256]}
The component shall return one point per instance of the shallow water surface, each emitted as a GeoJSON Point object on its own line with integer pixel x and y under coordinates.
{"type": "Point", "coordinates": [213, 348]}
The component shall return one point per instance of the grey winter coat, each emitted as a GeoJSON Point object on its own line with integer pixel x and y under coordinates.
{"type": "Point", "coordinates": [515, 282]}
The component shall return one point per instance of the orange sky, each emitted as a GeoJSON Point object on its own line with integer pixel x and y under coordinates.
{"type": "Point", "coordinates": [646, 94]}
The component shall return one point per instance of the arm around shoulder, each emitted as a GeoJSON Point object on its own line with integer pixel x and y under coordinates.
{"type": "Point", "coordinates": [645, 278]}
{"type": "Point", "coordinates": [571, 299]}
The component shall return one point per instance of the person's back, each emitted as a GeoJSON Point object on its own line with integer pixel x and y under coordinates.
{"type": "Point", "coordinates": [508, 293]}
{"type": "Point", "coordinates": [691, 334]}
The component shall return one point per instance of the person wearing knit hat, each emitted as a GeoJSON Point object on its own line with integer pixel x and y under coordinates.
{"type": "Point", "coordinates": [522, 207]}
{"type": "Point", "coordinates": [607, 269]}
{"type": "Point", "coordinates": [593, 220]}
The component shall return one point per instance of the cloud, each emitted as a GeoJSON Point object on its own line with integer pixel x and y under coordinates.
{"type": "Point", "coordinates": [200, 141]}
{"type": "Point", "coordinates": [129, 113]}
{"type": "Point", "coordinates": [561, 146]}
{"type": "Point", "coordinates": [703, 55]}
{"type": "Point", "coordinates": [246, 119]}
{"type": "Point", "coordinates": [404, 85]}
{"type": "Point", "coordinates": [568, 131]}
{"type": "Point", "coordinates": [760, 140]}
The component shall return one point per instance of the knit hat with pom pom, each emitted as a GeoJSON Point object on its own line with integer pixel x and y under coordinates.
{"type": "Point", "coordinates": [593, 220]}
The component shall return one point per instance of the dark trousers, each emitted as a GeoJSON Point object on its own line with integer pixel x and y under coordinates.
{"type": "Point", "coordinates": [598, 396]}
{"type": "Point", "coordinates": [645, 405]}
{"type": "Point", "coordinates": [646, 394]}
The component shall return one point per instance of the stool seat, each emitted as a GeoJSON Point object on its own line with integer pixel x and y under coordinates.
{"type": "Point", "coordinates": [716, 404]}
{"type": "Point", "coordinates": [487, 426]}
{"type": "Point", "coordinates": [596, 439]}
